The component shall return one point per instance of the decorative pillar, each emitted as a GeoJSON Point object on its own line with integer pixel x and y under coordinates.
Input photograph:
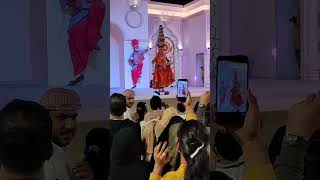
{"type": "Point", "coordinates": [207, 68]}
{"type": "Point", "coordinates": [179, 73]}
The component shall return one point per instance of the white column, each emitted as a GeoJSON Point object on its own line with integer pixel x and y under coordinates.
{"type": "Point", "coordinates": [179, 75]}
{"type": "Point", "coordinates": [207, 68]}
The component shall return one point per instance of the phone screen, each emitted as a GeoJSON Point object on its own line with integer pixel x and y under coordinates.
{"type": "Point", "coordinates": [232, 85]}
{"type": "Point", "coordinates": [182, 89]}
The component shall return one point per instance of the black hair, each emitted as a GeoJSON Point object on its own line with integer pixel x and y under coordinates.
{"type": "Point", "coordinates": [141, 110]}
{"type": "Point", "coordinates": [181, 108]}
{"type": "Point", "coordinates": [163, 104]}
{"type": "Point", "coordinates": [155, 103]}
{"type": "Point", "coordinates": [118, 105]}
{"type": "Point", "coordinates": [208, 115]}
{"type": "Point", "coordinates": [25, 136]}
{"type": "Point", "coordinates": [216, 175]}
{"type": "Point", "coordinates": [227, 146]}
{"type": "Point", "coordinates": [126, 151]}
{"type": "Point", "coordinates": [120, 144]}
{"type": "Point", "coordinates": [195, 109]}
{"type": "Point", "coordinates": [276, 144]}
{"type": "Point", "coordinates": [191, 136]}
{"type": "Point", "coordinates": [293, 19]}
{"type": "Point", "coordinates": [99, 160]}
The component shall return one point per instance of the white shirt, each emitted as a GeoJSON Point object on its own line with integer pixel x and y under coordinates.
{"type": "Point", "coordinates": [128, 114]}
{"type": "Point", "coordinates": [57, 168]}
{"type": "Point", "coordinates": [182, 115]}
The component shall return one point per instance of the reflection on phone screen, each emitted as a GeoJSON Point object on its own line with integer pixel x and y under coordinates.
{"type": "Point", "coordinates": [232, 86]}
{"type": "Point", "coordinates": [182, 89]}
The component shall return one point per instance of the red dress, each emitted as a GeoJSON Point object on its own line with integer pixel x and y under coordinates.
{"type": "Point", "coordinates": [162, 75]}
{"type": "Point", "coordinates": [236, 97]}
{"type": "Point", "coordinates": [184, 93]}
{"type": "Point", "coordinates": [85, 34]}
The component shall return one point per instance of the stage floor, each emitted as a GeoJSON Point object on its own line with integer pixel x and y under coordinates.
{"type": "Point", "coordinates": [147, 93]}
{"type": "Point", "coordinates": [273, 95]}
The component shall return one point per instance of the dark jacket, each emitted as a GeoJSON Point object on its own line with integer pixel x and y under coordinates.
{"type": "Point", "coordinates": [125, 157]}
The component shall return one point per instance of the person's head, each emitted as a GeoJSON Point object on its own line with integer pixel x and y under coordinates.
{"type": "Point", "coordinates": [155, 103]}
{"type": "Point", "coordinates": [227, 147]}
{"type": "Point", "coordinates": [125, 156]}
{"type": "Point", "coordinates": [192, 145]}
{"type": "Point", "coordinates": [117, 105]}
{"type": "Point", "coordinates": [161, 52]}
{"type": "Point", "coordinates": [126, 146]}
{"type": "Point", "coordinates": [64, 105]}
{"type": "Point", "coordinates": [129, 94]}
{"type": "Point", "coordinates": [97, 152]}
{"type": "Point", "coordinates": [25, 137]}
{"type": "Point", "coordinates": [164, 106]}
{"type": "Point", "coordinates": [135, 45]}
{"type": "Point", "coordinates": [181, 108]}
{"type": "Point", "coordinates": [142, 110]}
{"type": "Point", "coordinates": [96, 142]}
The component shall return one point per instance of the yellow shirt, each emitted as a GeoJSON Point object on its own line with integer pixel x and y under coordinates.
{"type": "Point", "coordinates": [191, 116]}
{"type": "Point", "coordinates": [172, 175]}
{"type": "Point", "coordinates": [262, 173]}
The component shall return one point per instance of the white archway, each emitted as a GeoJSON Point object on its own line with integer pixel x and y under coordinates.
{"type": "Point", "coordinates": [116, 57]}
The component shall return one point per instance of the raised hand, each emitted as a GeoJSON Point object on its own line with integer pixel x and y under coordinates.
{"type": "Point", "coordinates": [161, 157]}
{"type": "Point", "coordinates": [304, 117]}
{"type": "Point", "coordinates": [252, 125]}
{"type": "Point", "coordinates": [83, 171]}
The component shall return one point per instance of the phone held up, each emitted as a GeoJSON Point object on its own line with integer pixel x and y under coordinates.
{"type": "Point", "coordinates": [182, 90]}
{"type": "Point", "coordinates": [231, 90]}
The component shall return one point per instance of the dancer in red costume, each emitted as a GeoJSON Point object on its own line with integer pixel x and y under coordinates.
{"type": "Point", "coordinates": [84, 32]}
{"type": "Point", "coordinates": [136, 62]}
{"type": "Point", "coordinates": [184, 92]}
{"type": "Point", "coordinates": [162, 75]}
{"type": "Point", "coordinates": [236, 98]}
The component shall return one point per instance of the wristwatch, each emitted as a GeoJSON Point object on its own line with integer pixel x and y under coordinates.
{"type": "Point", "coordinates": [291, 139]}
{"type": "Point", "coordinates": [202, 105]}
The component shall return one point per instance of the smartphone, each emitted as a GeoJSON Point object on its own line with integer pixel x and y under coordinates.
{"type": "Point", "coordinates": [182, 90]}
{"type": "Point", "coordinates": [231, 89]}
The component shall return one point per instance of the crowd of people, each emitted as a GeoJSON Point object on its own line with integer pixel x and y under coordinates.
{"type": "Point", "coordinates": [183, 142]}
